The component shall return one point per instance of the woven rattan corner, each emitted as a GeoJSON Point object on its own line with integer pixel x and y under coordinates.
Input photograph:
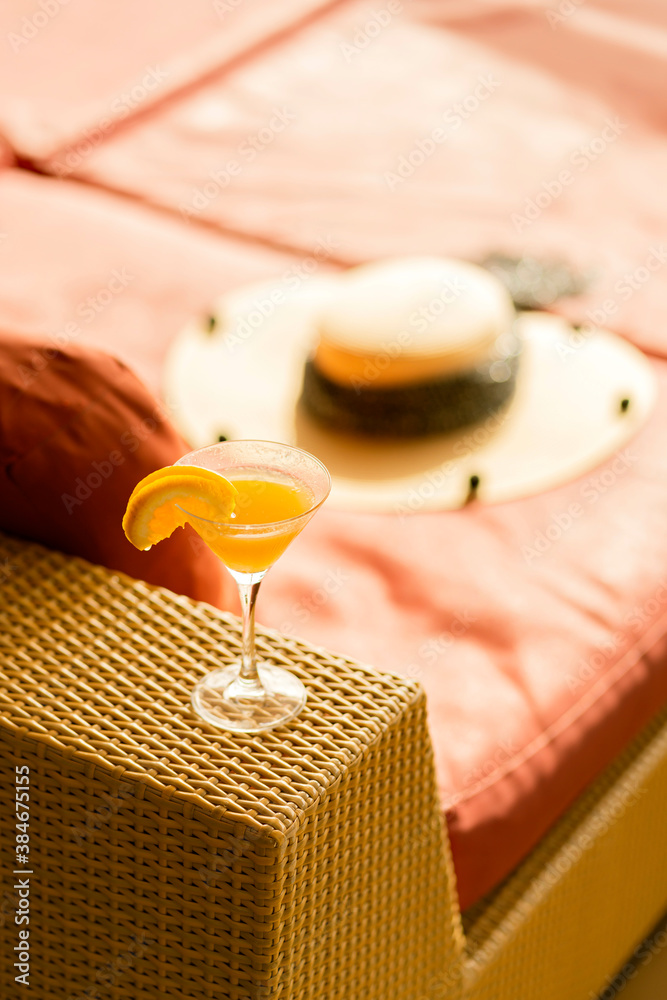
{"type": "Point", "coordinates": [168, 859]}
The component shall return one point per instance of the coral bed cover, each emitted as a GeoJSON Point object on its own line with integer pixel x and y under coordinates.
{"type": "Point", "coordinates": [538, 628]}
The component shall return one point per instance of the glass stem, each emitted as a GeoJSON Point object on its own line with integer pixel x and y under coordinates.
{"type": "Point", "coordinates": [249, 673]}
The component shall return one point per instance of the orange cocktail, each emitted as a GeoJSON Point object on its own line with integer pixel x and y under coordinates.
{"type": "Point", "coordinates": [276, 490]}
{"type": "Point", "coordinates": [268, 503]}
{"type": "Point", "coordinates": [247, 500]}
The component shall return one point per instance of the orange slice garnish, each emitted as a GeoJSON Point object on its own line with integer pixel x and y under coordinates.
{"type": "Point", "coordinates": [162, 501]}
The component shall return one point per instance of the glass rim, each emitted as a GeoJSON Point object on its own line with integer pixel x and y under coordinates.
{"type": "Point", "coordinates": [267, 525]}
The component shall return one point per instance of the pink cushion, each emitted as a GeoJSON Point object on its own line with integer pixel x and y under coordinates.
{"type": "Point", "coordinates": [72, 73]}
{"type": "Point", "coordinates": [78, 431]}
{"type": "Point", "coordinates": [357, 161]}
{"type": "Point", "coordinates": [99, 271]}
{"type": "Point", "coordinates": [6, 155]}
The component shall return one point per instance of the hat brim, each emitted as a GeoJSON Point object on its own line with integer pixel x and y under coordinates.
{"type": "Point", "coordinates": [243, 380]}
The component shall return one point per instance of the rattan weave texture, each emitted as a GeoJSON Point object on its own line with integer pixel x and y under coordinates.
{"type": "Point", "coordinates": [562, 924]}
{"type": "Point", "coordinates": [174, 860]}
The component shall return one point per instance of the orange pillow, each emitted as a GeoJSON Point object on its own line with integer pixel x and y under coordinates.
{"type": "Point", "coordinates": [78, 430]}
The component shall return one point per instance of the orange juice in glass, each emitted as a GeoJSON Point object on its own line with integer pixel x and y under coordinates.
{"type": "Point", "coordinates": [278, 489]}
{"type": "Point", "coordinates": [279, 501]}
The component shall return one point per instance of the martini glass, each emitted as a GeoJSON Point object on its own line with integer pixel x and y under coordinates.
{"type": "Point", "coordinates": [279, 490]}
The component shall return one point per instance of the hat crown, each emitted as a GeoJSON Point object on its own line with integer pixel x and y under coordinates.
{"type": "Point", "coordinates": [424, 306]}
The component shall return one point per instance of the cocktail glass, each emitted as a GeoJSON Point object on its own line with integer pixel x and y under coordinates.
{"type": "Point", "coordinates": [280, 488]}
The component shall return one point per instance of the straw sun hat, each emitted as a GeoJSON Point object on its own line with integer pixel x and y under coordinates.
{"type": "Point", "coordinates": [414, 380]}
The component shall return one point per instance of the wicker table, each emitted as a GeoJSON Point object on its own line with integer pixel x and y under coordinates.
{"type": "Point", "coordinates": [172, 860]}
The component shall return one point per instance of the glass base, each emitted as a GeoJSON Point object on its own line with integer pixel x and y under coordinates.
{"type": "Point", "coordinates": [224, 700]}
